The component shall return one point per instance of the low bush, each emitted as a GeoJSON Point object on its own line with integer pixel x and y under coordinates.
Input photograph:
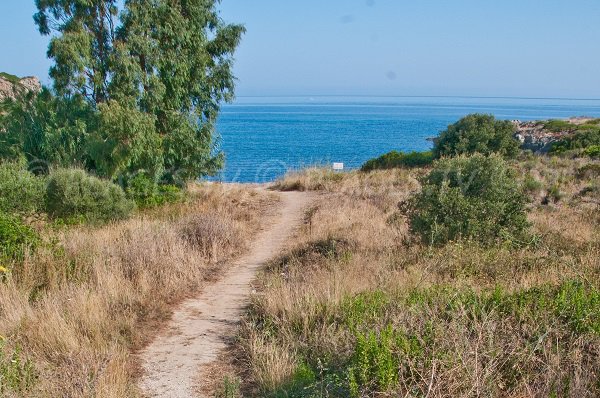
{"type": "Point", "coordinates": [73, 195]}
{"type": "Point", "coordinates": [477, 133]}
{"type": "Point", "coordinates": [20, 191]}
{"type": "Point", "coordinates": [396, 159]}
{"type": "Point", "coordinates": [582, 140]}
{"type": "Point", "coordinates": [475, 198]}
{"type": "Point", "coordinates": [592, 151]}
{"type": "Point", "coordinates": [16, 238]}
{"type": "Point", "coordinates": [147, 193]}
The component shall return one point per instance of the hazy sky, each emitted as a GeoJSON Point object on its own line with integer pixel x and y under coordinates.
{"type": "Point", "coordinates": [532, 48]}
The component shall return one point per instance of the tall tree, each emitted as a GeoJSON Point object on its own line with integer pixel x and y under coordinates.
{"type": "Point", "coordinates": [170, 60]}
{"type": "Point", "coordinates": [83, 46]}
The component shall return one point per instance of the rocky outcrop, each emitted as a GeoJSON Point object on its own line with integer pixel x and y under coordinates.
{"type": "Point", "coordinates": [535, 136]}
{"type": "Point", "coordinates": [12, 88]}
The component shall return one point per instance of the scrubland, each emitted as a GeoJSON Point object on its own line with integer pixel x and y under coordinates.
{"type": "Point", "coordinates": [74, 311]}
{"type": "Point", "coordinates": [358, 306]}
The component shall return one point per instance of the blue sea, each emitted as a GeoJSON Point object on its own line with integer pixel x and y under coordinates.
{"type": "Point", "coordinates": [263, 137]}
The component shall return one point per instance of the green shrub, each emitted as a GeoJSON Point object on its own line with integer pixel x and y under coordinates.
{"type": "Point", "coordinates": [583, 139]}
{"type": "Point", "coordinates": [16, 238]}
{"type": "Point", "coordinates": [147, 193]}
{"type": "Point", "coordinates": [396, 159]}
{"type": "Point", "coordinates": [74, 195]}
{"type": "Point", "coordinates": [477, 133]}
{"type": "Point", "coordinates": [592, 151]}
{"type": "Point", "coordinates": [374, 365]}
{"type": "Point", "coordinates": [20, 191]}
{"type": "Point", "coordinates": [476, 198]}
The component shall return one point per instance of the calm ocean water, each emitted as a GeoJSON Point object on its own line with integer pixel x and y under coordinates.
{"type": "Point", "coordinates": [265, 137]}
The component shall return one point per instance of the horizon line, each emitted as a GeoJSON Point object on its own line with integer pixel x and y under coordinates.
{"type": "Point", "coordinates": [417, 96]}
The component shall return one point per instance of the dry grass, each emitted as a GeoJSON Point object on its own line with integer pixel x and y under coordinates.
{"type": "Point", "coordinates": [497, 321]}
{"type": "Point", "coordinates": [82, 304]}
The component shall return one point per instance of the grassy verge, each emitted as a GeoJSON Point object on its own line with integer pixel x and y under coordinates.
{"type": "Point", "coordinates": [358, 308]}
{"type": "Point", "coordinates": [72, 311]}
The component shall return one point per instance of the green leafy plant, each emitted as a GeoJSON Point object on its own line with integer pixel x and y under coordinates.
{"type": "Point", "coordinates": [20, 191]}
{"type": "Point", "coordinates": [581, 140]}
{"type": "Point", "coordinates": [396, 159]}
{"type": "Point", "coordinates": [476, 198]}
{"type": "Point", "coordinates": [477, 133]}
{"type": "Point", "coordinates": [593, 151]}
{"type": "Point", "coordinates": [74, 195]}
{"type": "Point", "coordinates": [16, 238]}
{"type": "Point", "coordinates": [147, 193]}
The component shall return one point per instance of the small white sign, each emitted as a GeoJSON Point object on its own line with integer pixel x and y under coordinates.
{"type": "Point", "coordinates": [338, 166]}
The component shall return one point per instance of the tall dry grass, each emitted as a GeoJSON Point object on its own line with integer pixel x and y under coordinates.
{"type": "Point", "coordinates": [81, 305]}
{"type": "Point", "coordinates": [498, 321]}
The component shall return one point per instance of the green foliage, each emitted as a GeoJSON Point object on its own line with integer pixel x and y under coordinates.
{"type": "Point", "coordinates": [396, 159]}
{"type": "Point", "coordinates": [20, 191]}
{"type": "Point", "coordinates": [155, 74]}
{"type": "Point", "coordinates": [476, 198]}
{"type": "Point", "coordinates": [45, 130]}
{"type": "Point", "coordinates": [573, 303]}
{"type": "Point", "coordinates": [583, 139]}
{"type": "Point", "coordinates": [147, 193]}
{"type": "Point", "coordinates": [16, 239]}
{"type": "Point", "coordinates": [16, 374]}
{"type": "Point", "coordinates": [558, 125]}
{"type": "Point", "coordinates": [374, 365]}
{"type": "Point", "coordinates": [73, 195]}
{"type": "Point", "coordinates": [593, 151]}
{"type": "Point", "coordinates": [477, 133]}
{"type": "Point", "coordinates": [124, 142]}
{"type": "Point", "coordinates": [365, 308]}
{"type": "Point", "coordinates": [11, 78]}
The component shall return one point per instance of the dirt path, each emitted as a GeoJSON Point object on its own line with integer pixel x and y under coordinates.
{"type": "Point", "coordinates": [200, 326]}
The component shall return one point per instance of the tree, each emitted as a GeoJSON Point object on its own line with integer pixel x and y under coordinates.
{"type": "Point", "coordinates": [169, 61]}
{"type": "Point", "coordinates": [477, 133]}
{"type": "Point", "coordinates": [83, 47]}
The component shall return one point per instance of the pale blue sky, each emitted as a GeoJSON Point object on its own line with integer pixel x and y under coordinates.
{"type": "Point", "coordinates": [532, 48]}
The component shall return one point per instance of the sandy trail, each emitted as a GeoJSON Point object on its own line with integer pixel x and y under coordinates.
{"type": "Point", "coordinates": [200, 327]}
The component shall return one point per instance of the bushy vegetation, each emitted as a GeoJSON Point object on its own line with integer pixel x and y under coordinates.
{"type": "Point", "coordinates": [73, 195]}
{"type": "Point", "coordinates": [396, 159]}
{"type": "Point", "coordinates": [477, 133]}
{"type": "Point", "coordinates": [16, 239]}
{"type": "Point", "coordinates": [20, 191]}
{"type": "Point", "coordinates": [138, 91]}
{"type": "Point", "coordinates": [593, 151]}
{"type": "Point", "coordinates": [473, 134]}
{"type": "Point", "coordinates": [474, 198]}
{"type": "Point", "coordinates": [581, 140]}
{"type": "Point", "coordinates": [147, 193]}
